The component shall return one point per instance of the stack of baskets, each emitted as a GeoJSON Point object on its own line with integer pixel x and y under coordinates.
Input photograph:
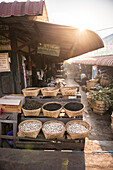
{"type": "Point", "coordinates": [100, 107]}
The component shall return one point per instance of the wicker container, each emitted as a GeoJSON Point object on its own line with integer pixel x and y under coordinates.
{"type": "Point", "coordinates": [58, 135]}
{"type": "Point", "coordinates": [74, 113]}
{"type": "Point", "coordinates": [78, 135]}
{"type": "Point", "coordinates": [33, 133]}
{"type": "Point", "coordinates": [99, 111]}
{"type": "Point", "coordinates": [91, 83]}
{"type": "Point", "coordinates": [33, 91]}
{"type": "Point", "coordinates": [35, 112]}
{"type": "Point", "coordinates": [104, 82]}
{"type": "Point", "coordinates": [68, 91]}
{"type": "Point", "coordinates": [54, 113]}
{"type": "Point", "coordinates": [100, 107]}
{"type": "Point", "coordinates": [49, 91]}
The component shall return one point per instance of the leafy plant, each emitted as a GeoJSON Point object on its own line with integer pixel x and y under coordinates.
{"type": "Point", "coordinates": [101, 95]}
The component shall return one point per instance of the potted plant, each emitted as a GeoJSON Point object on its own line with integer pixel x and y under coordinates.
{"type": "Point", "coordinates": [100, 101]}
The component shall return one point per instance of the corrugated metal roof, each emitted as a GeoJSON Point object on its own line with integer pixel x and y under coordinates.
{"type": "Point", "coordinates": [106, 60]}
{"type": "Point", "coordinates": [21, 8]}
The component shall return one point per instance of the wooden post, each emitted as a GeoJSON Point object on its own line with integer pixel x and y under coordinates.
{"type": "Point", "coordinates": [30, 68]}
{"type": "Point", "coordinates": [0, 134]}
{"type": "Point", "coordinates": [14, 62]}
{"type": "Point", "coordinates": [15, 126]}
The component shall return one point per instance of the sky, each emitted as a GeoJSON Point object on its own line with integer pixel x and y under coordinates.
{"type": "Point", "coordinates": [84, 14]}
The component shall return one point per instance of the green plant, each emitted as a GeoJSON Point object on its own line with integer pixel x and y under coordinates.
{"type": "Point", "coordinates": [101, 95]}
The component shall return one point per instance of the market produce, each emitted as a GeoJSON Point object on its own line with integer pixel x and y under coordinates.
{"type": "Point", "coordinates": [53, 127]}
{"type": "Point", "coordinates": [77, 128]}
{"type": "Point", "coordinates": [30, 126]}
{"type": "Point", "coordinates": [74, 106]}
{"type": "Point", "coordinates": [32, 105]}
{"type": "Point", "coordinates": [52, 106]}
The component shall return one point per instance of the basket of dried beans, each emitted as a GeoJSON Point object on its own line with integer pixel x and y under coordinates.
{"type": "Point", "coordinates": [53, 129]}
{"type": "Point", "coordinates": [78, 129]}
{"type": "Point", "coordinates": [29, 128]}
{"type": "Point", "coordinates": [31, 108]}
{"type": "Point", "coordinates": [52, 109]}
{"type": "Point", "coordinates": [74, 109]}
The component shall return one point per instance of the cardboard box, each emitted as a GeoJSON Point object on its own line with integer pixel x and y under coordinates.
{"type": "Point", "coordinates": [12, 103]}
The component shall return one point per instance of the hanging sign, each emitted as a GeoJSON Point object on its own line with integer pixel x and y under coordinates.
{"type": "Point", "coordinates": [4, 44]}
{"type": "Point", "coordinates": [4, 62]}
{"type": "Point", "coordinates": [48, 49]}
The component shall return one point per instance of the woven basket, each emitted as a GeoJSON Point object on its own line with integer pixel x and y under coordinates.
{"type": "Point", "coordinates": [78, 135]}
{"type": "Point", "coordinates": [68, 91]}
{"type": "Point", "coordinates": [32, 134]}
{"type": "Point", "coordinates": [59, 135]}
{"type": "Point", "coordinates": [74, 113]}
{"type": "Point", "coordinates": [35, 112]}
{"type": "Point", "coordinates": [33, 91]}
{"type": "Point", "coordinates": [99, 111]}
{"type": "Point", "coordinates": [91, 83]}
{"type": "Point", "coordinates": [49, 91]}
{"type": "Point", "coordinates": [54, 113]}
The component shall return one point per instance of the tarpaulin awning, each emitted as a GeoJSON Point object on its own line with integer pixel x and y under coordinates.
{"type": "Point", "coordinates": [71, 41]}
{"type": "Point", "coordinates": [106, 60]}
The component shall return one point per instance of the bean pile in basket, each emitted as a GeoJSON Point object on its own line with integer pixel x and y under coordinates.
{"type": "Point", "coordinates": [32, 105]}
{"type": "Point", "coordinates": [30, 126]}
{"type": "Point", "coordinates": [77, 128]}
{"type": "Point", "coordinates": [53, 127]}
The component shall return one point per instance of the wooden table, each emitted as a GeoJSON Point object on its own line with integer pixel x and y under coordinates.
{"type": "Point", "coordinates": [10, 118]}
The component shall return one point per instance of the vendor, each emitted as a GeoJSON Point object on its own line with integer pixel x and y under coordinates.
{"type": "Point", "coordinates": [83, 79]}
{"type": "Point", "coordinates": [34, 75]}
{"type": "Point", "coordinates": [49, 74]}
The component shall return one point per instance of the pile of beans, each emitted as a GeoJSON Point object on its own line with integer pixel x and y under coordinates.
{"type": "Point", "coordinates": [32, 105]}
{"type": "Point", "coordinates": [53, 127]}
{"type": "Point", "coordinates": [77, 128]}
{"type": "Point", "coordinates": [30, 126]}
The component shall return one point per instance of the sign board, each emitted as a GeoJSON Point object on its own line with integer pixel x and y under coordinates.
{"type": "Point", "coordinates": [4, 44]}
{"type": "Point", "coordinates": [4, 62]}
{"type": "Point", "coordinates": [48, 49]}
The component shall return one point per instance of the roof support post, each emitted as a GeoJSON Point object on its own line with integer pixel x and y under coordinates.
{"type": "Point", "coordinates": [14, 62]}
